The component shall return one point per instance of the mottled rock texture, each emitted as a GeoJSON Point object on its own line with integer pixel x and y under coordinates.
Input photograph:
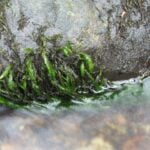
{"type": "Point", "coordinates": [115, 32]}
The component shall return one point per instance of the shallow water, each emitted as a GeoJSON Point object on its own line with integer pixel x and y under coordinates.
{"type": "Point", "coordinates": [120, 123]}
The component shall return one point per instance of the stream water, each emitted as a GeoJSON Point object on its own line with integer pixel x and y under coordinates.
{"type": "Point", "coordinates": [119, 123]}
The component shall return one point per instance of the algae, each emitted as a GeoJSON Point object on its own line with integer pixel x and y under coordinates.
{"type": "Point", "coordinates": [61, 72]}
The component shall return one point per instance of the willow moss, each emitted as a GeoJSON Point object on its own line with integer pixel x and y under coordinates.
{"type": "Point", "coordinates": [46, 73]}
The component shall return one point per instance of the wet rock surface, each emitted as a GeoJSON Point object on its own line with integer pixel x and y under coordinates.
{"type": "Point", "coordinates": [115, 33]}
{"type": "Point", "coordinates": [122, 124]}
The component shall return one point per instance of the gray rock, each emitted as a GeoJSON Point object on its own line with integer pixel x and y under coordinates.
{"type": "Point", "coordinates": [115, 33]}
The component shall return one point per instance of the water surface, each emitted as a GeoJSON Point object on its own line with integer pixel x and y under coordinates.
{"type": "Point", "coordinates": [120, 123]}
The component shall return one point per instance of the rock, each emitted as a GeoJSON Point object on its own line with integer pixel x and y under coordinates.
{"type": "Point", "coordinates": [115, 33]}
{"type": "Point", "coordinates": [4, 111]}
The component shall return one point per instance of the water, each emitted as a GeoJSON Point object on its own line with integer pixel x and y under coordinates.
{"type": "Point", "coordinates": [120, 123]}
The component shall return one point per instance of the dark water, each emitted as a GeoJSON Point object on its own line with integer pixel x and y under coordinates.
{"type": "Point", "coordinates": [120, 123]}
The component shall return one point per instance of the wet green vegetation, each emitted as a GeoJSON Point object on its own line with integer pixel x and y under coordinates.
{"type": "Point", "coordinates": [44, 74]}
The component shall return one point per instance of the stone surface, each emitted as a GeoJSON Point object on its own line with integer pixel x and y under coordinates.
{"type": "Point", "coordinates": [126, 128]}
{"type": "Point", "coordinates": [116, 33]}
{"type": "Point", "coordinates": [122, 124]}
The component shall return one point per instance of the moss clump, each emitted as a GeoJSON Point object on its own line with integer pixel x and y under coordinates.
{"type": "Point", "coordinates": [47, 73]}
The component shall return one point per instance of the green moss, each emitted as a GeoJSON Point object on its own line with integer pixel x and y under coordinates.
{"type": "Point", "coordinates": [47, 73]}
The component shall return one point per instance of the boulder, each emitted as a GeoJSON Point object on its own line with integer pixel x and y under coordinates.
{"type": "Point", "coordinates": [115, 33]}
